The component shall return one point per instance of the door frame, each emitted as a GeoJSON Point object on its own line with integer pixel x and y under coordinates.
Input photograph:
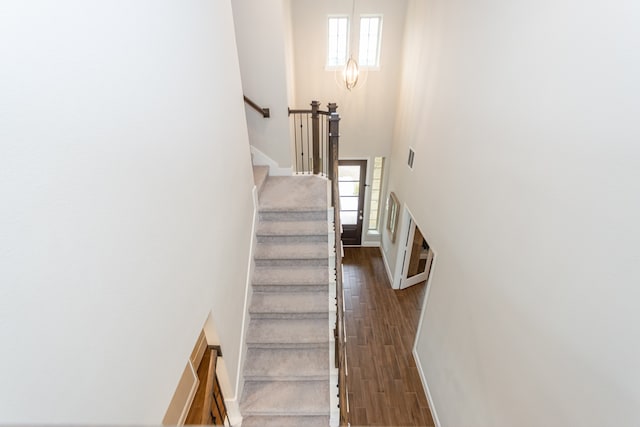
{"type": "Point", "coordinates": [405, 241]}
{"type": "Point", "coordinates": [405, 281]}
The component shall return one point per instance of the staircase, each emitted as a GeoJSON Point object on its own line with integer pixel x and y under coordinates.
{"type": "Point", "coordinates": [287, 367]}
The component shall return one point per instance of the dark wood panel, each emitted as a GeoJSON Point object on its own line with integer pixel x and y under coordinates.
{"type": "Point", "coordinates": [381, 325]}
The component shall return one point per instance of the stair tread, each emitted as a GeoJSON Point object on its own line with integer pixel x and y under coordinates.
{"type": "Point", "coordinates": [288, 331]}
{"type": "Point", "coordinates": [287, 364]}
{"type": "Point", "coordinates": [313, 250]}
{"type": "Point", "coordinates": [286, 421]}
{"type": "Point", "coordinates": [294, 193]}
{"type": "Point", "coordinates": [292, 228]}
{"type": "Point", "coordinates": [299, 275]}
{"type": "Point", "coordinates": [289, 302]}
{"type": "Point", "coordinates": [286, 398]}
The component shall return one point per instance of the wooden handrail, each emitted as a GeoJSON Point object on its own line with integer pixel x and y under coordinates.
{"type": "Point", "coordinates": [266, 113]}
{"type": "Point", "coordinates": [324, 113]}
{"type": "Point", "coordinates": [211, 378]}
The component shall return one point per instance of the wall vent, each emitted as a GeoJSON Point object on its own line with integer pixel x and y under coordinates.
{"type": "Point", "coordinates": [411, 156]}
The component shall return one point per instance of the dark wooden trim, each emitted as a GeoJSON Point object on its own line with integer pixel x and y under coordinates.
{"type": "Point", "coordinates": [266, 113]}
{"type": "Point", "coordinates": [299, 111]}
{"type": "Point", "coordinates": [321, 112]}
{"type": "Point", "coordinates": [216, 348]}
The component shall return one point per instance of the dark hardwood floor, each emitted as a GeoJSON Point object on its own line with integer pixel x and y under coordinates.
{"type": "Point", "coordinates": [381, 324]}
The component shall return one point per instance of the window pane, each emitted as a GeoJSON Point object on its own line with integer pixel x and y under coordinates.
{"type": "Point", "coordinates": [349, 217]}
{"type": "Point", "coordinates": [348, 173]}
{"type": "Point", "coordinates": [376, 186]}
{"type": "Point", "coordinates": [348, 203]}
{"type": "Point", "coordinates": [337, 39]}
{"type": "Point", "coordinates": [369, 51]}
{"type": "Point", "coordinates": [349, 188]}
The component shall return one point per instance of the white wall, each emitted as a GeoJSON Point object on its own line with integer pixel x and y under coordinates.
{"type": "Point", "coordinates": [262, 32]}
{"type": "Point", "coordinates": [527, 185]}
{"type": "Point", "coordinates": [118, 124]}
{"type": "Point", "coordinates": [367, 113]}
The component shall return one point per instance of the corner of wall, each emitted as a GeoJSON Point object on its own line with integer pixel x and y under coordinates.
{"type": "Point", "coordinates": [233, 403]}
{"type": "Point", "coordinates": [261, 159]}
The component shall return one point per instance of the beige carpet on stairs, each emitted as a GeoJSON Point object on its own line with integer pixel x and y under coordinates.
{"type": "Point", "coordinates": [287, 368]}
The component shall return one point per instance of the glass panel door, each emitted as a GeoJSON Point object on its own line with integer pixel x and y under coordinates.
{"type": "Point", "coordinates": [351, 182]}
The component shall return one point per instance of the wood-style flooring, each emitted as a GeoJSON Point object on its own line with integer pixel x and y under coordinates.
{"type": "Point", "coordinates": [381, 323]}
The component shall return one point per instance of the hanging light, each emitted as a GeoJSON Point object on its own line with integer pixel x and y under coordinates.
{"type": "Point", "coordinates": [351, 73]}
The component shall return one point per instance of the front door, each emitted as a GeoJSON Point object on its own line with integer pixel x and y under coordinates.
{"type": "Point", "coordinates": [351, 180]}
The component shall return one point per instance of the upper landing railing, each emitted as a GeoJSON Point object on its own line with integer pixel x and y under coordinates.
{"type": "Point", "coordinates": [312, 138]}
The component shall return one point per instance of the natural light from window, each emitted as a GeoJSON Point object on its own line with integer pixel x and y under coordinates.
{"type": "Point", "coordinates": [338, 40]}
{"type": "Point", "coordinates": [376, 188]}
{"type": "Point", "coordinates": [370, 32]}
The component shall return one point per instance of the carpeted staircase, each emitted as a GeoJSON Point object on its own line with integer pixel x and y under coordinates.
{"type": "Point", "coordinates": [287, 366]}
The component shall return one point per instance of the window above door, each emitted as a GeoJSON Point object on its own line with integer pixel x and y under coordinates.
{"type": "Point", "coordinates": [369, 41]}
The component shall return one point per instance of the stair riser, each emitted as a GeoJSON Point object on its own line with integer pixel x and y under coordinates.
{"type": "Point", "coordinates": [258, 378]}
{"type": "Point", "coordinates": [283, 413]}
{"type": "Point", "coordinates": [320, 238]}
{"type": "Point", "coordinates": [292, 216]}
{"type": "Point", "coordinates": [324, 315]}
{"type": "Point", "coordinates": [292, 346]}
{"type": "Point", "coordinates": [289, 288]}
{"type": "Point", "coordinates": [323, 421]}
{"type": "Point", "coordinates": [321, 262]}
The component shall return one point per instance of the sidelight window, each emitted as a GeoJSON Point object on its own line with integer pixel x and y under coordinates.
{"type": "Point", "coordinates": [376, 189]}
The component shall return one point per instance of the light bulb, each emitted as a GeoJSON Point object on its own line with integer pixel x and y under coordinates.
{"type": "Point", "coordinates": [351, 73]}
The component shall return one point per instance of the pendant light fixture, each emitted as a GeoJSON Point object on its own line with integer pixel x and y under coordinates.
{"type": "Point", "coordinates": [351, 71]}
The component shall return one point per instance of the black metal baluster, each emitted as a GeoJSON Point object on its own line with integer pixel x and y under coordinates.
{"type": "Point", "coordinates": [301, 146]}
{"type": "Point", "coordinates": [308, 145]}
{"type": "Point", "coordinates": [295, 142]}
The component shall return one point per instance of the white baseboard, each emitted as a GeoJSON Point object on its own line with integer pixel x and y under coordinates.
{"type": "Point", "coordinates": [425, 386]}
{"type": "Point", "coordinates": [386, 266]}
{"type": "Point", "coordinates": [245, 314]}
{"type": "Point", "coordinates": [261, 159]}
{"type": "Point", "coordinates": [233, 412]}
{"type": "Point", "coordinates": [370, 244]}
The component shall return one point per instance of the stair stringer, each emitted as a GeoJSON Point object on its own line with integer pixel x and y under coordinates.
{"type": "Point", "coordinates": [334, 417]}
